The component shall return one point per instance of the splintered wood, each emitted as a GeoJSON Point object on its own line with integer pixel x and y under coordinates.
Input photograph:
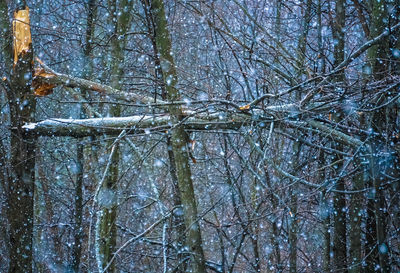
{"type": "Point", "coordinates": [22, 44]}
{"type": "Point", "coordinates": [42, 88]}
{"type": "Point", "coordinates": [22, 41]}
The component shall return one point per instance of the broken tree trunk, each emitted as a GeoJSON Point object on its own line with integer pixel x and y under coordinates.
{"type": "Point", "coordinates": [22, 110]}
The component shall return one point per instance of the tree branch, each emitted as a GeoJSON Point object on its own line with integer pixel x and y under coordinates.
{"type": "Point", "coordinates": [133, 124]}
{"type": "Point", "coordinates": [71, 81]}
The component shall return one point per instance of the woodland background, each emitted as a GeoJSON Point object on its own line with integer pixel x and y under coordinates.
{"type": "Point", "coordinates": [263, 136]}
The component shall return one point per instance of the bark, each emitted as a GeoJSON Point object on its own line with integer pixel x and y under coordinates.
{"type": "Point", "coordinates": [78, 197]}
{"type": "Point", "coordinates": [339, 239]}
{"type": "Point", "coordinates": [21, 187]}
{"type": "Point", "coordinates": [293, 229]}
{"type": "Point", "coordinates": [293, 220]}
{"type": "Point", "coordinates": [357, 206]}
{"type": "Point", "coordinates": [361, 17]}
{"type": "Point", "coordinates": [6, 54]}
{"type": "Point", "coordinates": [296, 146]}
{"type": "Point", "coordinates": [382, 121]}
{"type": "Point", "coordinates": [321, 57]}
{"type": "Point", "coordinates": [371, 251]}
{"type": "Point", "coordinates": [133, 125]}
{"type": "Point", "coordinates": [80, 155]}
{"type": "Point", "coordinates": [326, 217]}
{"type": "Point", "coordinates": [379, 212]}
{"type": "Point", "coordinates": [178, 220]}
{"type": "Point", "coordinates": [339, 200]}
{"type": "Point", "coordinates": [355, 216]}
{"type": "Point", "coordinates": [107, 216]}
{"type": "Point", "coordinates": [179, 139]}
{"type": "Point", "coordinates": [6, 41]}
{"type": "Point", "coordinates": [42, 192]}
{"type": "Point", "coordinates": [326, 227]}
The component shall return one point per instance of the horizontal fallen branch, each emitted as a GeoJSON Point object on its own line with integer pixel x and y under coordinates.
{"type": "Point", "coordinates": [139, 124]}
{"type": "Point", "coordinates": [113, 126]}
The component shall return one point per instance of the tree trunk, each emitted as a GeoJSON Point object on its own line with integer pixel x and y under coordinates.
{"type": "Point", "coordinates": [293, 222]}
{"type": "Point", "coordinates": [80, 155]}
{"type": "Point", "coordinates": [177, 218]}
{"type": "Point", "coordinates": [339, 200]}
{"type": "Point", "coordinates": [21, 186]}
{"type": "Point", "coordinates": [326, 232]}
{"type": "Point", "coordinates": [355, 215]}
{"type": "Point", "coordinates": [107, 216]}
{"type": "Point", "coordinates": [78, 197]}
{"type": "Point", "coordinates": [293, 228]}
{"type": "Point", "coordinates": [295, 157]}
{"type": "Point", "coordinates": [179, 139]}
{"type": "Point", "coordinates": [381, 123]}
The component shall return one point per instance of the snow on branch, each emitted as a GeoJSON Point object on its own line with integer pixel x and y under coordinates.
{"type": "Point", "coordinates": [139, 124]}
{"type": "Point", "coordinates": [113, 126]}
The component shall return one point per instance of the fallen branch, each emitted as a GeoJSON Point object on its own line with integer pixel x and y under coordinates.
{"type": "Point", "coordinates": [71, 81]}
{"type": "Point", "coordinates": [140, 124]}
{"type": "Point", "coordinates": [113, 126]}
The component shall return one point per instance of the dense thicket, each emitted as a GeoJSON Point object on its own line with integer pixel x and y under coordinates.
{"type": "Point", "coordinates": [212, 136]}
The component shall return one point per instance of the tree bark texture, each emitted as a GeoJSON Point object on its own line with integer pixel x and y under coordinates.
{"type": "Point", "coordinates": [21, 185]}
{"type": "Point", "coordinates": [339, 199]}
{"type": "Point", "coordinates": [382, 121]}
{"type": "Point", "coordinates": [179, 139]}
{"type": "Point", "coordinates": [106, 224]}
{"type": "Point", "coordinates": [80, 152]}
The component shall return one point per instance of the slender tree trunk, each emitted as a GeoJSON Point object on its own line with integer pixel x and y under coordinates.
{"type": "Point", "coordinates": [293, 229]}
{"type": "Point", "coordinates": [339, 200]}
{"type": "Point", "coordinates": [339, 239]}
{"type": "Point", "coordinates": [179, 139]}
{"type": "Point", "coordinates": [293, 223]}
{"type": "Point", "coordinates": [326, 231]}
{"type": "Point", "coordinates": [106, 229]}
{"type": "Point", "coordinates": [77, 229]}
{"type": "Point", "coordinates": [293, 220]}
{"type": "Point", "coordinates": [381, 123]}
{"type": "Point", "coordinates": [377, 205]}
{"type": "Point", "coordinates": [371, 251]}
{"type": "Point", "coordinates": [253, 228]}
{"type": "Point", "coordinates": [80, 158]}
{"type": "Point", "coordinates": [42, 192]}
{"type": "Point", "coordinates": [5, 176]}
{"type": "Point", "coordinates": [178, 220]}
{"type": "Point", "coordinates": [325, 213]}
{"type": "Point", "coordinates": [321, 57]}
{"type": "Point", "coordinates": [355, 215]}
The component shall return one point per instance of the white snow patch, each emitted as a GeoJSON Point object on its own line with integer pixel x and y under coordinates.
{"type": "Point", "coordinates": [29, 126]}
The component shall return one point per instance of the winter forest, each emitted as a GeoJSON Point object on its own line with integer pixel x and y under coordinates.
{"type": "Point", "coordinates": [200, 136]}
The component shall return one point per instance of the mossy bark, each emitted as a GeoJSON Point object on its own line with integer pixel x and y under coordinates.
{"type": "Point", "coordinates": [179, 139]}
{"type": "Point", "coordinates": [178, 220]}
{"type": "Point", "coordinates": [106, 229]}
{"type": "Point", "coordinates": [383, 123]}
